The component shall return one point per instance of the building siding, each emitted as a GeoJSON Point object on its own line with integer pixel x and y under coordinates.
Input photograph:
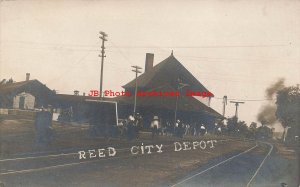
{"type": "Point", "coordinates": [29, 101]}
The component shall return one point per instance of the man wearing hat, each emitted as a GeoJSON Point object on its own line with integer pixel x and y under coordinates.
{"type": "Point", "coordinates": [137, 124]}
{"type": "Point", "coordinates": [130, 128]}
{"type": "Point", "coordinates": [202, 130]}
{"type": "Point", "coordinates": [177, 128]}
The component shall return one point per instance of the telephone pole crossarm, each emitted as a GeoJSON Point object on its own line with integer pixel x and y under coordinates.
{"type": "Point", "coordinates": [236, 106]}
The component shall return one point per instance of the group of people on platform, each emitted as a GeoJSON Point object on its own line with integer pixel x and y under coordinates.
{"type": "Point", "coordinates": [131, 127]}
{"type": "Point", "coordinates": [180, 129]}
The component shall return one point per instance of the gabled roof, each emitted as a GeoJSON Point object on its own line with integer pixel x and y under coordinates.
{"type": "Point", "coordinates": [13, 86]}
{"type": "Point", "coordinates": [188, 104]}
{"type": "Point", "coordinates": [167, 72]}
{"type": "Point", "coordinates": [185, 103]}
{"type": "Point", "coordinates": [164, 77]}
{"type": "Point", "coordinates": [43, 95]}
{"type": "Point", "coordinates": [29, 86]}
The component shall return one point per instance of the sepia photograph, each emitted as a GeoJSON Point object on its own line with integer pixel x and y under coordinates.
{"type": "Point", "coordinates": [137, 93]}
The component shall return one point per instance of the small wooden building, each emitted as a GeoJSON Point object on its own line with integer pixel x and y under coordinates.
{"type": "Point", "coordinates": [25, 95]}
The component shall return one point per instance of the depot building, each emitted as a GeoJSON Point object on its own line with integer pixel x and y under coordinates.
{"type": "Point", "coordinates": [168, 76]}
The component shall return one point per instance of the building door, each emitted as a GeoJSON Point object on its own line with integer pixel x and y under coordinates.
{"type": "Point", "coordinates": [22, 102]}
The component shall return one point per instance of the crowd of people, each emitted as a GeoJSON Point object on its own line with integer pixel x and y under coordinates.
{"type": "Point", "coordinates": [131, 127]}
{"type": "Point", "coordinates": [181, 129]}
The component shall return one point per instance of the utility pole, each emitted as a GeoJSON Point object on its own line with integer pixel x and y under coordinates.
{"type": "Point", "coordinates": [224, 104]}
{"type": "Point", "coordinates": [209, 99]}
{"type": "Point", "coordinates": [136, 70]}
{"type": "Point", "coordinates": [103, 38]}
{"type": "Point", "coordinates": [236, 107]}
{"type": "Point", "coordinates": [180, 85]}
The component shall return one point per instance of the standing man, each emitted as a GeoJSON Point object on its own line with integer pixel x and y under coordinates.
{"type": "Point", "coordinates": [43, 123]}
{"type": "Point", "coordinates": [202, 130]}
{"type": "Point", "coordinates": [179, 129]}
{"type": "Point", "coordinates": [138, 124]}
{"type": "Point", "coordinates": [130, 128]}
{"type": "Point", "coordinates": [155, 126]}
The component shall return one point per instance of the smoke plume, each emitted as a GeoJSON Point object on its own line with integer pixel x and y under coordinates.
{"type": "Point", "coordinates": [267, 112]}
{"type": "Point", "coordinates": [274, 88]}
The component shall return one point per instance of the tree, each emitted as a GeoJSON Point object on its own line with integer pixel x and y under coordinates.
{"type": "Point", "coordinates": [237, 128]}
{"type": "Point", "coordinates": [10, 81]}
{"type": "Point", "coordinates": [288, 106]}
{"type": "Point", "coordinates": [253, 129]}
{"type": "Point", "coordinates": [242, 129]}
{"type": "Point", "coordinates": [264, 132]}
{"type": "Point", "coordinates": [232, 125]}
{"type": "Point", "coordinates": [253, 126]}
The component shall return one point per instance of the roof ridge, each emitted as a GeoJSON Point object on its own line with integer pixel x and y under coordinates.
{"type": "Point", "coordinates": [152, 70]}
{"type": "Point", "coordinates": [162, 71]}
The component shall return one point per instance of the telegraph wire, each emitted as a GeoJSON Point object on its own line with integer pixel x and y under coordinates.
{"type": "Point", "coordinates": [208, 46]}
{"type": "Point", "coordinates": [70, 69]}
{"type": "Point", "coordinates": [207, 59]}
{"type": "Point", "coordinates": [231, 99]}
{"type": "Point", "coordinates": [54, 46]}
{"type": "Point", "coordinates": [142, 47]}
{"type": "Point", "coordinates": [204, 60]}
{"type": "Point", "coordinates": [121, 53]}
{"type": "Point", "coordinates": [50, 44]}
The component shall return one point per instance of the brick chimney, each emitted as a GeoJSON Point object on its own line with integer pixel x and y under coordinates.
{"type": "Point", "coordinates": [149, 62]}
{"type": "Point", "coordinates": [27, 76]}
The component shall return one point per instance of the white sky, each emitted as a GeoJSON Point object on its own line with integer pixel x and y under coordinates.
{"type": "Point", "coordinates": [234, 48]}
